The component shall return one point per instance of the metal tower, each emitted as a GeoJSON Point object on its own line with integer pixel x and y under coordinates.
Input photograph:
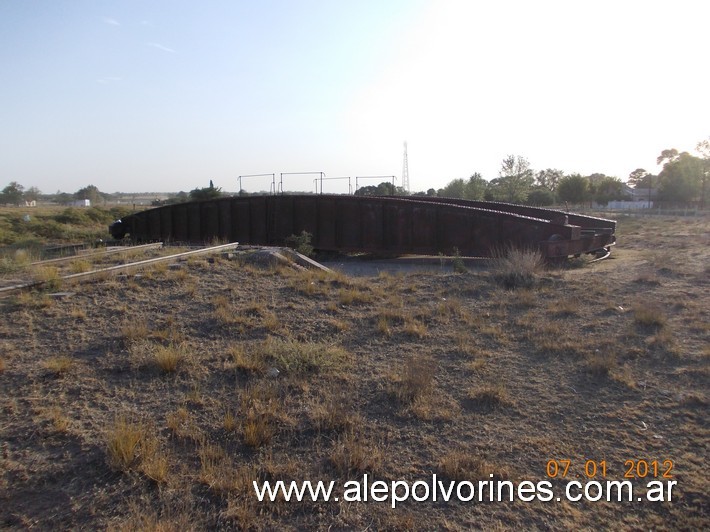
{"type": "Point", "coordinates": [405, 171]}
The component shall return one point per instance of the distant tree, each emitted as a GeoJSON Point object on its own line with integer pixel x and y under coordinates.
{"type": "Point", "coordinates": [608, 189]}
{"type": "Point", "coordinates": [12, 193]}
{"type": "Point", "coordinates": [541, 197]}
{"type": "Point", "coordinates": [206, 193]}
{"type": "Point", "coordinates": [431, 192]}
{"type": "Point", "coordinates": [63, 198]}
{"type": "Point", "coordinates": [667, 155]}
{"type": "Point", "coordinates": [681, 179]}
{"type": "Point", "coordinates": [475, 187]}
{"type": "Point", "coordinates": [573, 189]}
{"type": "Point", "coordinates": [703, 148]}
{"type": "Point", "coordinates": [32, 194]}
{"type": "Point", "coordinates": [383, 189]}
{"type": "Point", "coordinates": [91, 193]}
{"type": "Point", "coordinates": [515, 179]}
{"type": "Point", "coordinates": [549, 178]}
{"type": "Point", "coordinates": [639, 178]}
{"type": "Point", "coordinates": [454, 189]}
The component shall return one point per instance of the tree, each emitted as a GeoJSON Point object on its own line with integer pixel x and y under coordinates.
{"type": "Point", "coordinates": [639, 178]}
{"type": "Point", "coordinates": [573, 189]}
{"type": "Point", "coordinates": [32, 194]}
{"type": "Point", "coordinates": [12, 193]}
{"type": "Point", "coordinates": [91, 193]}
{"type": "Point", "coordinates": [515, 179]}
{"type": "Point", "coordinates": [541, 197]}
{"type": "Point", "coordinates": [667, 155]}
{"type": "Point", "coordinates": [206, 193]}
{"type": "Point", "coordinates": [608, 189]}
{"type": "Point", "coordinates": [549, 178]}
{"type": "Point", "coordinates": [681, 179]}
{"type": "Point", "coordinates": [475, 188]}
{"type": "Point", "coordinates": [454, 189]}
{"type": "Point", "coordinates": [703, 148]}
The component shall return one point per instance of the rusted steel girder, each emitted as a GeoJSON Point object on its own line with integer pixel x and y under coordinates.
{"type": "Point", "coordinates": [396, 225]}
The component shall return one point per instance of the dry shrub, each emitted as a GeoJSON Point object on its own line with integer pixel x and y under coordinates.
{"type": "Point", "coordinates": [247, 361]}
{"type": "Point", "coordinates": [123, 443]}
{"type": "Point", "coordinates": [352, 454]}
{"type": "Point", "coordinates": [415, 380]}
{"type": "Point", "coordinates": [650, 316]}
{"type": "Point", "coordinates": [600, 364]}
{"type": "Point", "coordinates": [134, 331]}
{"type": "Point", "coordinates": [334, 414]}
{"type": "Point", "coordinates": [515, 267]}
{"type": "Point", "coordinates": [354, 296]}
{"type": "Point", "coordinates": [48, 276]}
{"type": "Point", "coordinates": [415, 328]}
{"type": "Point", "coordinates": [259, 406]}
{"type": "Point", "coordinates": [171, 357]}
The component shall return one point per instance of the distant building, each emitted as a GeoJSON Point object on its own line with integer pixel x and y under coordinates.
{"type": "Point", "coordinates": [639, 194]}
{"type": "Point", "coordinates": [81, 203]}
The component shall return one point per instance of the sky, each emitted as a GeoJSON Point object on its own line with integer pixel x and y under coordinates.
{"type": "Point", "coordinates": [144, 96]}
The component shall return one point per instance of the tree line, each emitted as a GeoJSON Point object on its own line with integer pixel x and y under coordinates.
{"type": "Point", "coordinates": [682, 181]}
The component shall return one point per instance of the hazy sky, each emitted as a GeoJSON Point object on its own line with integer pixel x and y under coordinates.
{"type": "Point", "coordinates": [166, 95]}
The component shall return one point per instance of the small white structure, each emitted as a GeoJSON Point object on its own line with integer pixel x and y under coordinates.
{"type": "Point", "coordinates": [630, 205]}
{"type": "Point", "coordinates": [81, 203]}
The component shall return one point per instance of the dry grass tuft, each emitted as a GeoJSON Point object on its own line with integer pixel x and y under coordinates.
{"type": "Point", "coordinates": [246, 361]}
{"type": "Point", "coordinates": [300, 358]}
{"type": "Point", "coordinates": [171, 357]}
{"type": "Point", "coordinates": [601, 364]}
{"type": "Point", "coordinates": [461, 466]}
{"type": "Point", "coordinates": [415, 328]}
{"type": "Point", "coordinates": [649, 316]}
{"type": "Point", "coordinates": [517, 267]}
{"type": "Point", "coordinates": [488, 397]}
{"type": "Point", "coordinates": [414, 380]}
{"type": "Point", "coordinates": [334, 414]}
{"type": "Point", "coordinates": [354, 296]}
{"type": "Point", "coordinates": [134, 331]}
{"type": "Point", "coordinates": [123, 443]}
{"type": "Point", "coordinates": [49, 276]}
{"type": "Point", "coordinates": [353, 455]}
{"type": "Point", "coordinates": [259, 406]}
{"type": "Point", "coordinates": [59, 365]}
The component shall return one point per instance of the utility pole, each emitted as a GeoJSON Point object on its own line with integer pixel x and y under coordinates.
{"type": "Point", "coordinates": [405, 171]}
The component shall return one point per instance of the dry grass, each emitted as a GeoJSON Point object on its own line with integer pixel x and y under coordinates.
{"type": "Point", "coordinates": [488, 397]}
{"type": "Point", "coordinates": [649, 315]}
{"type": "Point", "coordinates": [352, 454]}
{"type": "Point", "coordinates": [123, 443]}
{"type": "Point", "coordinates": [461, 465]}
{"type": "Point", "coordinates": [503, 381]}
{"type": "Point", "coordinates": [170, 358]}
{"type": "Point", "coordinates": [517, 267]}
{"type": "Point", "coordinates": [247, 361]}
{"type": "Point", "coordinates": [59, 365]}
{"type": "Point", "coordinates": [413, 380]}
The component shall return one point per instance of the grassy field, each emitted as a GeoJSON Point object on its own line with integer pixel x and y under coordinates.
{"type": "Point", "coordinates": [31, 227]}
{"type": "Point", "coordinates": [152, 402]}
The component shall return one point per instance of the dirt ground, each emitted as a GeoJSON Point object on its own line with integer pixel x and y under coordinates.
{"type": "Point", "coordinates": [152, 401]}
